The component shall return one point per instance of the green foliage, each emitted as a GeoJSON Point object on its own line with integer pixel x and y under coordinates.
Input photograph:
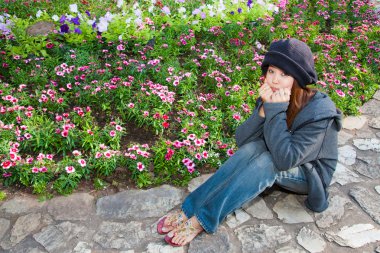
{"type": "Point", "coordinates": [3, 195]}
{"type": "Point", "coordinates": [94, 100]}
{"type": "Point", "coordinates": [100, 184]}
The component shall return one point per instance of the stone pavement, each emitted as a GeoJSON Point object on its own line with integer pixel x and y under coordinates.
{"type": "Point", "coordinates": [277, 221]}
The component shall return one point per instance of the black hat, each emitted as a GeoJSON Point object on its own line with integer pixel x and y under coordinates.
{"type": "Point", "coordinates": [294, 57]}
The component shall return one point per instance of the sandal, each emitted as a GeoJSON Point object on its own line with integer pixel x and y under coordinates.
{"type": "Point", "coordinates": [175, 219]}
{"type": "Point", "coordinates": [187, 230]}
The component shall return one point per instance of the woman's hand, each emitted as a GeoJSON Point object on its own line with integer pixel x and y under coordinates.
{"type": "Point", "coordinates": [265, 92]}
{"type": "Point", "coordinates": [280, 96]}
{"type": "Point", "coordinates": [269, 96]}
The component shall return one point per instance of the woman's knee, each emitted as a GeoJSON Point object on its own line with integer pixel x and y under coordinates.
{"type": "Point", "coordinates": [253, 148]}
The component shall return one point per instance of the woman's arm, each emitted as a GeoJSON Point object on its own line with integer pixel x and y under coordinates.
{"type": "Point", "coordinates": [291, 149]}
{"type": "Point", "coordinates": [252, 128]}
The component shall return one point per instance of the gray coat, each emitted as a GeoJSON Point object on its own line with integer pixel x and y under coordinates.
{"type": "Point", "coordinates": [311, 143]}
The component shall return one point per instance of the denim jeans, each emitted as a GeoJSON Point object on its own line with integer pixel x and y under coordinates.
{"type": "Point", "coordinates": [240, 179]}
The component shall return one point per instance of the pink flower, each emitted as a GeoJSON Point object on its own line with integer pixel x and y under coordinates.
{"type": "Point", "coordinates": [140, 166]}
{"type": "Point", "coordinates": [98, 155]}
{"type": "Point", "coordinates": [108, 154]}
{"type": "Point", "coordinates": [70, 169]}
{"type": "Point", "coordinates": [35, 170]}
{"type": "Point", "coordinates": [230, 152]}
{"type": "Point", "coordinates": [118, 128]}
{"type": "Point", "coordinates": [340, 93]}
{"type": "Point", "coordinates": [190, 169]}
{"type": "Point", "coordinates": [65, 133]}
{"type": "Point", "coordinates": [77, 153]}
{"type": "Point", "coordinates": [199, 142]}
{"type": "Point", "coordinates": [198, 156]}
{"type": "Point", "coordinates": [29, 160]}
{"type": "Point", "coordinates": [131, 105]}
{"type": "Point", "coordinates": [112, 133]}
{"type": "Point", "coordinates": [169, 154]}
{"type": "Point", "coordinates": [40, 156]}
{"type": "Point", "coordinates": [43, 169]}
{"type": "Point", "coordinates": [13, 156]}
{"type": "Point", "coordinates": [82, 162]}
{"type": "Point", "coordinates": [120, 47]}
{"type": "Point", "coordinates": [191, 136]}
{"type": "Point", "coordinates": [6, 164]}
{"type": "Point", "coordinates": [205, 154]}
{"type": "Point", "coordinates": [7, 174]}
{"type": "Point", "coordinates": [186, 161]}
{"type": "Point", "coordinates": [236, 116]}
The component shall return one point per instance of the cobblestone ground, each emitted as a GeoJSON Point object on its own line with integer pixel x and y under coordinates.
{"type": "Point", "coordinates": [277, 221]}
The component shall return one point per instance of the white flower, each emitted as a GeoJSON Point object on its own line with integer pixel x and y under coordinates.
{"type": "Point", "coordinates": [91, 21]}
{"type": "Point", "coordinates": [1, 19]}
{"type": "Point", "coordinates": [39, 13]}
{"type": "Point", "coordinates": [166, 10]}
{"type": "Point", "coordinates": [73, 8]}
{"type": "Point", "coordinates": [109, 16]}
{"type": "Point", "coordinates": [211, 13]}
{"type": "Point", "coordinates": [195, 22]}
{"type": "Point", "coordinates": [135, 6]}
{"type": "Point", "coordinates": [128, 20]}
{"type": "Point", "coordinates": [270, 6]}
{"type": "Point", "coordinates": [153, 1]}
{"type": "Point", "coordinates": [222, 7]}
{"type": "Point", "coordinates": [137, 12]}
{"type": "Point", "coordinates": [151, 8]}
{"type": "Point", "coordinates": [258, 45]}
{"type": "Point", "coordinates": [138, 21]}
{"type": "Point", "coordinates": [120, 3]}
{"type": "Point", "coordinates": [261, 2]}
{"type": "Point", "coordinates": [182, 10]}
{"type": "Point", "coordinates": [103, 25]}
{"type": "Point", "coordinates": [55, 17]}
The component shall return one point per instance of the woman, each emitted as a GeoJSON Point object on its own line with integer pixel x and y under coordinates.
{"type": "Point", "coordinates": [289, 140]}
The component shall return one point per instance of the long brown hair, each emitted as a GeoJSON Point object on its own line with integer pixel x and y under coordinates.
{"type": "Point", "coordinates": [298, 99]}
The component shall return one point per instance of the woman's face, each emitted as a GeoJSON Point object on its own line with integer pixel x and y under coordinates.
{"type": "Point", "coordinates": [278, 79]}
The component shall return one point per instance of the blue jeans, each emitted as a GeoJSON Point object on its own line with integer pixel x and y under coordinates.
{"type": "Point", "coordinates": [240, 179]}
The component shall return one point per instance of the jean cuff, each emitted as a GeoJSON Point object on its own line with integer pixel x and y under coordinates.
{"type": "Point", "coordinates": [200, 220]}
{"type": "Point", "coordinates": [203, 224]}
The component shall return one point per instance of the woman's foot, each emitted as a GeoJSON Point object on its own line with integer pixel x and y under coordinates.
{"type": "Point", "coordinates": [170, 222]}
{"type": "Point", "coordinates": [184, 233]}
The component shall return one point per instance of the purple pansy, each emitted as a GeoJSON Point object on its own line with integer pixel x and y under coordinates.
{"type": "Point", "coordinates": [75, 20]}
{"type": "Point", "coordinates": [62, 19]}
{"type": "Point", "coordinates": [64, 28]}
{"type": "Point", "coordinates": [77, 30]}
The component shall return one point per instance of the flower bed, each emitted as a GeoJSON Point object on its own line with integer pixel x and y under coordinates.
{"type": "Point", "coordinates": [178, 74]}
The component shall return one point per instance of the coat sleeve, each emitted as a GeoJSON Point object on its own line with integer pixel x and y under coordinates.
{"type": "Point", "coordinates": [252, 128]}
{"type": "Point", "coordinates": [291, 149]}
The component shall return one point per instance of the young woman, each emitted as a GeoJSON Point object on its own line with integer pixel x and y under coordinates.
{"type": "Point", "coordinates": [289, 140]}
